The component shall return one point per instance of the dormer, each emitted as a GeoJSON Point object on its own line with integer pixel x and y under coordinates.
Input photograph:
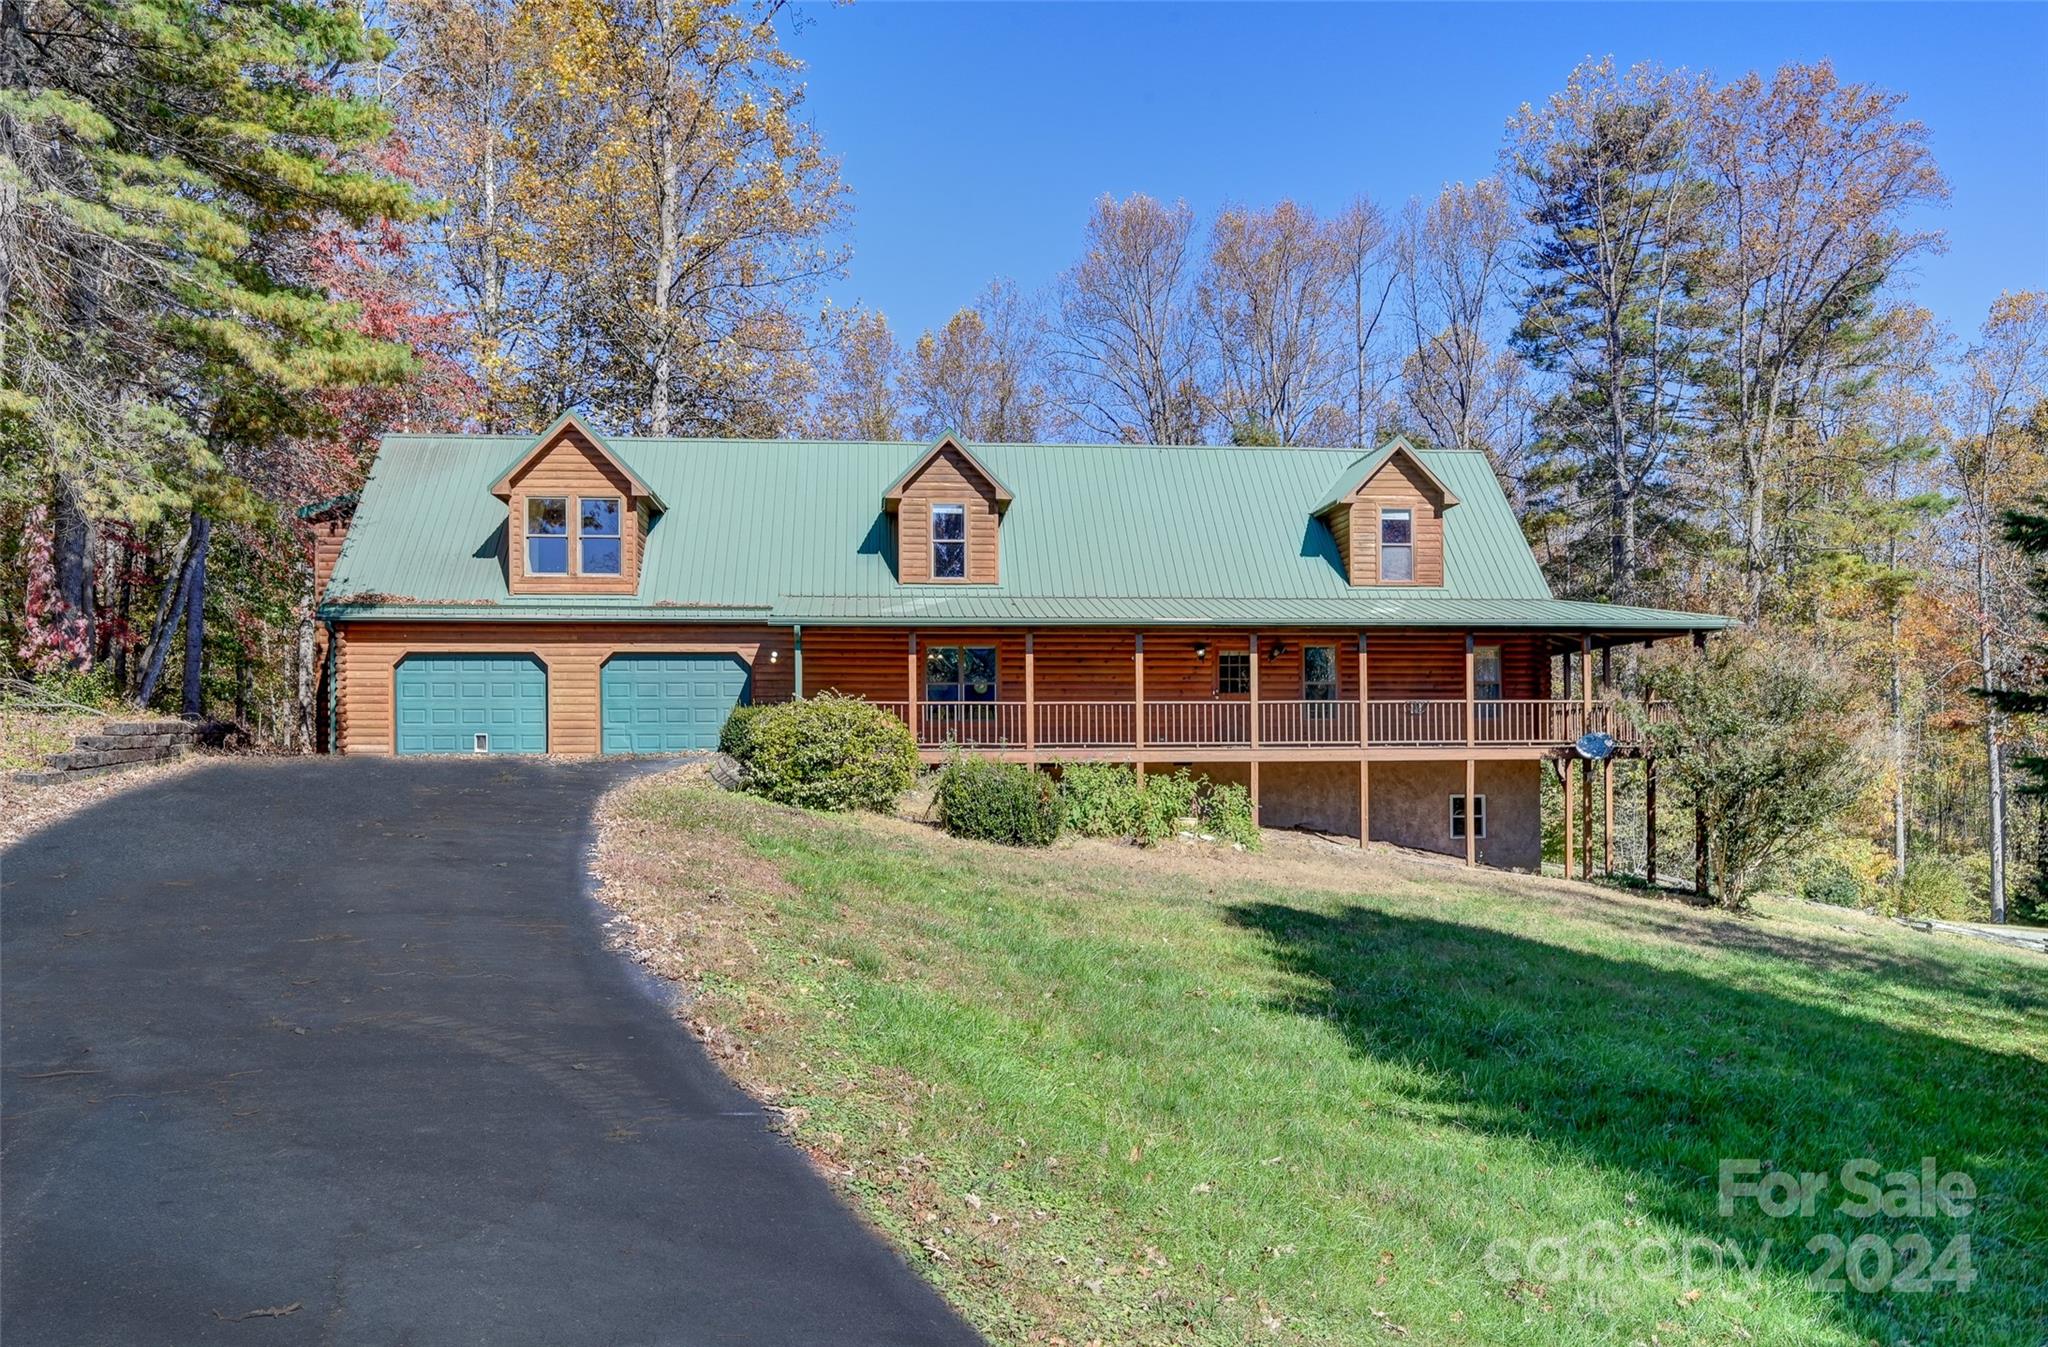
{"type": "Point", "coordinates": [1387, 514]}
{"type": "Point", "coordinates": [949, 511]}
{"type": "Point", "coordinates": [576, 515]}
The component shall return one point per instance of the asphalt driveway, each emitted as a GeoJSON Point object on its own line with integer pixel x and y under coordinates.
{"type": "Point", "coordinates": [342, 1036]}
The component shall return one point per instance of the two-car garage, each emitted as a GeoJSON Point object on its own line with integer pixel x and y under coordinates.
{"type": "Point", "coordinates": [648, 702]}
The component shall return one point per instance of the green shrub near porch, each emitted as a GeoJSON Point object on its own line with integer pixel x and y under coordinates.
{"type": "Point", "coordinates": [827, 752]}
{"type": "Point", "coordinates": [994, 801]}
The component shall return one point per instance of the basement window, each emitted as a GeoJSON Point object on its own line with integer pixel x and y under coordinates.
{"type": "Point", "coordinates": [949, 542]}
{"type": "Point", "coordinates": [1458, 816]}
{"type": "Point", "coordinates": [547, 535]}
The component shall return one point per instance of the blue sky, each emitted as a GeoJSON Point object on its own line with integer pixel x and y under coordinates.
{"type": "Point", "coordinates": [975, 135]}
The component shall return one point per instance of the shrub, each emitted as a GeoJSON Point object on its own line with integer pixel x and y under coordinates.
{"type": "Point", "coordinates": [1100, 799]}
{"type": "Point", "coordinates": [829, 752]}
{"type": "Point", "coordinates": [994, 801]}
{"type": "Point", "coordinates": [1933, 886]}
{"type": "Point", "coordinates": [737, 738]}
{"type": "Point", "coordinates": [1827, 880]}
{"type": "Point", "coordinates": [1169, 798]}
{"type": "Point", "coordinates": [1227, 809]}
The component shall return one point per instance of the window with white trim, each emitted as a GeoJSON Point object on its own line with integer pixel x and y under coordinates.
{"type": "Point", "coordinates": [547, 535]}
{"type": "Point", "coordinates": [1486, 672]}
{"type": "Point", "coordinates": [598, 549]}
{"type": "Point", "coordinates": [1397, 545]}
{"type": "Point", "coordinates": [1458, 817]}
{"type": "Point", "coordinates": [949, 542]}
{"type": "Point", "coordinates": [1233, 673]}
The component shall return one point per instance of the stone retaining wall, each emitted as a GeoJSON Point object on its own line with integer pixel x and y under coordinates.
{"type": "Point", "coordinates": [114, 747]}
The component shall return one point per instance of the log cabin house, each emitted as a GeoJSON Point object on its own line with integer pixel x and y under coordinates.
{"type": "Point", "coordinates": [1362, 638]}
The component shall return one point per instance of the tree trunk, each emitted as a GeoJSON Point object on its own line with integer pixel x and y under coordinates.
{"type": "Point", "coordinates": [195, 623]}
{"type": "Point", "coordinates": [176, 581]}
{"type": "Point", "coordinates": [665, 266]}
{"type": "Point", "coordinates": [1993, 751]}
{"type": "Point", "coordinates": [72, 557]}
{"type": "Point", "coordinates": [1898, 710]}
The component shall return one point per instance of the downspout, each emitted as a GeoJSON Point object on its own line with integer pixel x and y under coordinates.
{"type": "Point", "coordinates": [327, 675]}
{"type": "Point", "coordinates": [798, 662]}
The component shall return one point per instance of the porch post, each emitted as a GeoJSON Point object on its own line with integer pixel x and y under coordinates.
{"type": "Point", "coordinates": [1471, 811]}
{"type": "Point", "coordinates": [1364, 699]}
{"type": "Point", "coordinates": [1470, 728]}
{"type": "Point", "coordinates": [797, 662]}
{"type": "Point", "coordinates": [910, 691]}
{"type": "Point", "coordinates": [1650, 820]}
{"type": "Point", "coordinates": [1031, 696]}
{"type": "Point", "coordinates": [1138, 706]}
{"type": "Point", "coordinates": [1586, 773]}
{"type": "Point", "coordinates": [1699, 819]}
{"type": "Point", "coordinates": [1607, 818]}
{"type": "Point", "coordinates": [1566, 766]}
{"type": "Point", "coordinates": [1364, 802]}
{"type": "Point", "coordinates": [1252, 710]}
{"type": "Point", "coordinates": [1255, 792]}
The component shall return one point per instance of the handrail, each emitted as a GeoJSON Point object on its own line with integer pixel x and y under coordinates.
{"type": "Point", "coordinates": [1436, 722]}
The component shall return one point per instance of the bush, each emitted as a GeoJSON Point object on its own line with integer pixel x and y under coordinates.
{"type": "Point", "coordinates": [1169, 798]}
{"type": "Point", "coordinates": [994, 801]}
{"type": "Point", "coordinates": [1100, 799]}
{"type": "Point", "coordinates": [1827, 880]}
{"type": "Point", "coordinates": [1228, 812]}
{"type": "Point", "coordinates": [829, 752]}
{"type": "Point", "coordinates": [1935, 887]}
{"type": "Point", "coordinates": [737, 738]}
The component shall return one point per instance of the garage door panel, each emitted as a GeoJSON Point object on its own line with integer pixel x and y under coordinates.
{"type": "Point", "coordinates": [445, 701]}
{"type": "Point", "coordinates": [670, 703]}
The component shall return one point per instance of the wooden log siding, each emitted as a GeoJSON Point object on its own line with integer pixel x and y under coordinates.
{"type": "Point", "coordinates": [573, 467]}
{"type": "Point", "coordinates": [573, 654]}
{"type": "Point", "coordinates": [855, 662]}
{"type": "Point", "coordinates": [949, 479]}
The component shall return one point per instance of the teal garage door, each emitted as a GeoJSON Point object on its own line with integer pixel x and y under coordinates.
{"type": "Point", "coordinates": [670, 703]}
{"type": "Point", "coordinates": [472, 704]}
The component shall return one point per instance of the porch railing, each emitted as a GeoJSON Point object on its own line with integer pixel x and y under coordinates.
{"type": "Point", "coordinates": [1302, 724]}
{"type": "Point", "coordinates": [1394, 722]}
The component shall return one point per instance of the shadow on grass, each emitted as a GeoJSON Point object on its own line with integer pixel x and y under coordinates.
{"type": "Point", "coordinates": [1652, 1076]}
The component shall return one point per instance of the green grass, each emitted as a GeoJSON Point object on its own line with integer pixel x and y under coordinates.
{"type": "Point", "coordinates": [1101, 1095]}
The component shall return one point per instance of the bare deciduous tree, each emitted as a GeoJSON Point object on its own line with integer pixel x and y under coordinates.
{"type": "Point", "coordinates": [1453, 257]}
{"type": "Point", "coordinates": [980, 375]}
{"type": "Point", "coordinates": [1271, 304]}
{"type": "Point", "coordinates": [1123, 339]}
{"type": "Point", "coordinates": [858, 399]}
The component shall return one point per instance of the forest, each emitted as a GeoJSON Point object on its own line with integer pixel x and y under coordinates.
{"type": "Point", "coordinates": [245, 238]}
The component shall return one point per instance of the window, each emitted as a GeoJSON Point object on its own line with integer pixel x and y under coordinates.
{"type": "Point", "coordinates": [1486, 674]}
{"type": "Point", "coordinates": [1458, 816]}
{"type": "Point", "coordinates": [1397, 545]}
{"type": "Point", "coordinates": [597, 535]}
{"type": "Point", "coordinates": [1319, 673]}
{"type": "Point", "coordinates": [1233, 673]}
{"type": "Point", "coordinates": [547, 535]}
{"type": "Point", "coordinates": [960, 673]}
{"type": "Point", "coordinates": [949, 542]}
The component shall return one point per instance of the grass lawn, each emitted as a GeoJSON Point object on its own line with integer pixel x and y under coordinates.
{"type": "Point", "coordinates": [1191, 1096]}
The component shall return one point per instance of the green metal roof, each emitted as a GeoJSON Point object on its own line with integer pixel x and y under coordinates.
{"type": "Point", "coordinates": [794, 531]}
{"type": "Point", "coordinates": [1357, 473]}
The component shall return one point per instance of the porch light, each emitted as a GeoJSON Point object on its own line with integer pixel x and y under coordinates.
{"type": "Point", "coordinates": [1201, 651]}
{"type": "Point", "coordinates": [1275, 650]}
{"type": "Point", "coordinates": [774, 656]}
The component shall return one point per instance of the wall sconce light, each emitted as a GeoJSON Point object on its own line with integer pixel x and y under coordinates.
{"type": "Point", "coordinates": [1275, 650]}
{"type": "Point", "coordinates": [1201, 651]}
{"type": "Point", "coordinates": [774, 656]}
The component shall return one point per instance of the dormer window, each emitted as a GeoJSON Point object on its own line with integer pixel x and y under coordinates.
{"type": "Point", "coordinates": [1397, 546]}
{"type": "Point", "coordinates": [547, 535]}
{"type": "Point", "coordinates": [949, 542]}
{"type": "Point", "coordinates": [597, 535]}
